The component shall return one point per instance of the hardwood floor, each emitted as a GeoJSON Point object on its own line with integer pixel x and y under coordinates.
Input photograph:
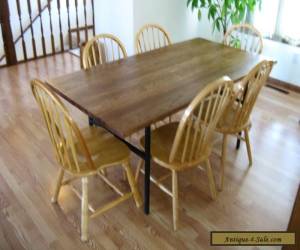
{"type": "Point", "coordinates": [260, 198]}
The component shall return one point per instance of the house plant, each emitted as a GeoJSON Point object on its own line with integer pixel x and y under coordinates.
{"type": "Point", "coordinates": [223, 13]}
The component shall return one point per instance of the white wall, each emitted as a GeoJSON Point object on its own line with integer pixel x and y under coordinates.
{"type": "Point", "coordinates": [174, 16]}
{"type": "Point", "coordinates": [125, 17]}
{"type": "Point", "coordinates": [264, 19]}
{"type": "Point", "coordinates": [116, 17]}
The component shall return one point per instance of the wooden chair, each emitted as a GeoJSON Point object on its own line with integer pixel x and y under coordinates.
{"type": "Point", "coordinates": [244, 37]}
{"type": "Point", "coordinates": [151, 37]}
{"type": "Point", "coordinates": [187, 144]}
{"type": "Point", "coordinates": [82, 153]}
{"type": "Point", "coordinates": [236, 118]}
{"type": "Point", "coordinates": [247, 38]}
{"type": "Point", "coordinates": [101, 49]}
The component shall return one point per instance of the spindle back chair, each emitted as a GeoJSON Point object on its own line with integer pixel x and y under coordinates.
{"type": "Point", "coordinates": [242, 106]}
{"type": "Point", "coordinates": [82, 153]}
{"type": "Point", "coordinates": [194, 134]}
{"type": "Point", "coordinates": [70, 148]}
{"type": "Point", "coordinates": [244, 37]}
{"type": "Point", "coordinates": [101, 49]}
{"type": "Point", "coordinates": [236, 118]}
{"type": "Point", "coordinates": [151, 37]}
{"type": "Point", "coordinates": [180, 146]}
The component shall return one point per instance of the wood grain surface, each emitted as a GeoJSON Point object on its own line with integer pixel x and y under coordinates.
{"type": "Point", "coordinates": [136, 92]}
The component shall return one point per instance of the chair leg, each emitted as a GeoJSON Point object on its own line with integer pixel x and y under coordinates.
{"type": "Point", "coordinates": [223, 160]}
{"type": "Point", "coordinates": [91, 121]}
{"type": "Point", "coordinates": [58, 185]}
{"type": "Point", "coordinates": [175, 199]}
{"type": "Point", "coordinates": [211, 180]}
{"type": "Point", "coordinates": [138, 169]}
{"type": "Point", "coordinates": [248, 146]}
{"type": "Point", "coordinates": [238, 142]}
{"type": "Point", "coordinates": [133, 186]}
{"type": "Point", "coordinates": [84, 210]}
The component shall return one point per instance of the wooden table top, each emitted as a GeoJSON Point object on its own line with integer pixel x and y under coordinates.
{"type": "Point", "coordinates": [134, 93]}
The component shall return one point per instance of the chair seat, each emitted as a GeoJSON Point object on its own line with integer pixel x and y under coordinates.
{"type": "Point", "coordinates": [105, 149]}
{"type": "Point", "coordinates": [162, 140]}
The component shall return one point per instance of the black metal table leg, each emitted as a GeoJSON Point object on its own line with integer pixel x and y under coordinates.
{"type": "Point", "coordinates": [147, 170]}
{"type": "Point", "coordinates": [91, 121]}
{"type": "Point", "coordinates": [145, 155]}
{"type": "Point", "coordinates": [238, 142]}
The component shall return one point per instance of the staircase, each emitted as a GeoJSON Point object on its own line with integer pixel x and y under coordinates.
{"type": "Point", "coordinates": [43, 28]}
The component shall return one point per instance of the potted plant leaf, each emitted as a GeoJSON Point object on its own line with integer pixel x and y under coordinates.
{"type": "Point", "coordinates": [223, 13]}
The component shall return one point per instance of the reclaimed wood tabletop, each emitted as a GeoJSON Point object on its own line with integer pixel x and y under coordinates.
{"type": "Point", "coordinates": [133, 93]}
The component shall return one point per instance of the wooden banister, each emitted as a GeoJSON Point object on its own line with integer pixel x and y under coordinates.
{"type": "Point", "coordinates": [33, 21]}
{"type": "Point", "coordinates": [4, 9]}
{"type": "Point", "coordinates": [9, 46]}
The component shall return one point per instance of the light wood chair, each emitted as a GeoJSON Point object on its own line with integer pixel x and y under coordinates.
{"type": "Point", "coordinates": [151, 37]}
{"type": "Point", "coordinates": [101, 49]}
{"type": "Point", "coordinates": [148, 38]}
{"type": "Point", "coordinates": [236, 118]}
{"type": "Point", "coordinates": [244, 37]}
{"type": "Point", "coordinates": [187, 144]}
{"type": "Point", "coordinates": [82, 153]}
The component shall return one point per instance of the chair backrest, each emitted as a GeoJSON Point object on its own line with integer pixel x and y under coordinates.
{"type": "Point", "coordinates": [193, 138]}
{"type": "Point", "coordinates": [101, 49]}
{"type": "Point", "coordinates": [151, 37]}
{"type": "Point", "coordinates": [242, 104]}
{"type": "Point", "coordinates": [244, 37]}
{"type": "Point", "coordinates": [70, 147]}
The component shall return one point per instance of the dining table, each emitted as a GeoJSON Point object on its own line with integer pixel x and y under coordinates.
{"type": "Point", "coordinates": [129, 95]}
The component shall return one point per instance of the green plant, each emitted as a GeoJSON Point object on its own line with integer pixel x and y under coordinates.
{"type": "Point", "coordinates": [222, 13]}
{"type": "Point", "coordinates": [235, 42]}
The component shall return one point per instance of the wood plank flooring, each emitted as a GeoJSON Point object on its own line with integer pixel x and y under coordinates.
{"type": "Point", "coordinates": [260, 198]}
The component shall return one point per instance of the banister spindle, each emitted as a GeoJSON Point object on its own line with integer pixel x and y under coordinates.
{"type": "Point", "coordinates": [60, 26]}
{"type": "Point", "coordinates": [9, 48]}
{"type": "Point", "coordinates": [42, 27]}
{"type": "Point", "coordinates": [21, 29]}
{"type": "Point", "coordinates": [51, 27]}
{"type": "Point", "coordinates": [93, 17]}
{"type": "Point", "coordinates": [77, 23]}
{"type": "Point", "coordinates": [31, 29]}
{"type": "Point", "coordinates": [85, 20]}
{"type": "Point", "coordinates": [69, 24]}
